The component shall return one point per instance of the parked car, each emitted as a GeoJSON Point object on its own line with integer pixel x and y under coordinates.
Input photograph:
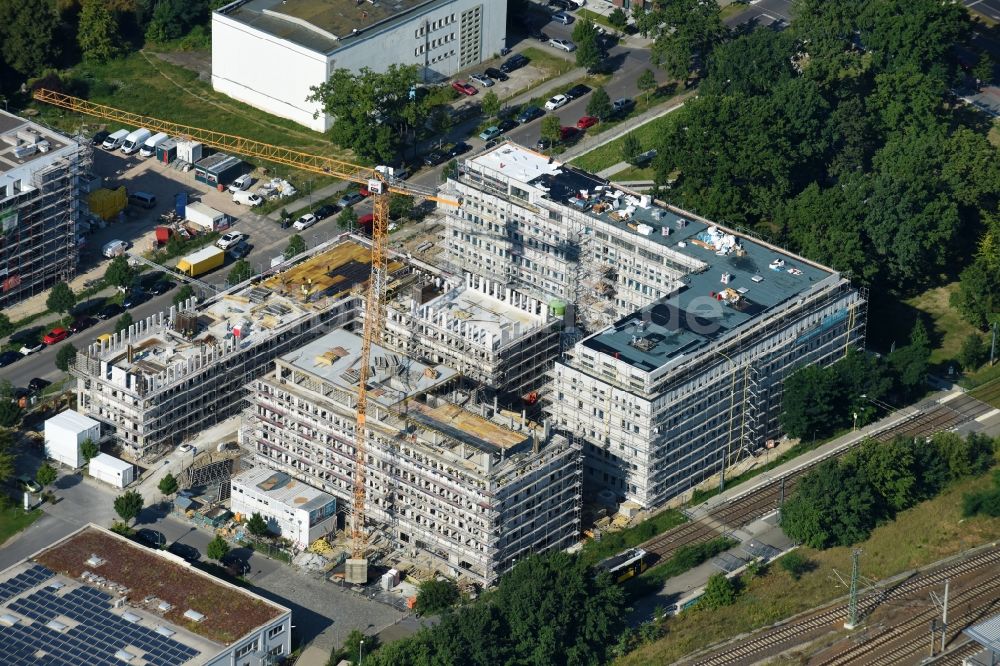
{"type": "Point", "coordinates": [491, 143]}
{"type": "Point", "coordinates": [247, 198]}
{"type": "Point", "coordinates": [29, 484]}
{"type": "Point", "coordinates": [464, 87]}
{"type": "Point", "coordinates": [57, 334]}
{"type": "Point", "coordinates": [483, 80]}
{"type": "Point", "coordinates": [161, 287]}
{"type": "Point", "coordinates": [586, 121]}
{"type": "Point", "coordinates": [543, 144]}
{"type": "Point", "coordinates": [305, 222]}
{"type": "Point", "coordinates": [555, 102]}
{"type": "Point", "coordinates": [240, 250]}
{"type": "Point", "coordinates": [563, 44]}
{"type": "Point", "coordinates": [37, 384]}
{"type": "Point", "coordinates": [227, 240]}
{"type": "Point", "coordinates": [623, 105]}
{"type": "Point", "coordinates": [185, 448]}
{"type": "Point", "coordinates": [80, 323]}
{"type": "Point", "coordinates": [561, 4]}
{"type": "Point", "coordinates": [151, 538]}
{"type": "Point", "coordinates": [99, 138]}
{"type": "Point", "coordinates": [133, 298]}
{"type": "Point", "coordinates": [32, 347]}
{"type": "Point", "coordinates": [459, 148]}
{"type": "Point", "coordinates": [184, 551]}
{"type": "Point", "coordinates": [567, 133]}
{"type": "Point", "coordinates": [349, 199]}
{"type": "Point", "coordinates": [110, 310]}
{"type": "Point", "coordinates": [529, 113]}
{"type": "Point", "coordinates": [242, 183]}
{"type": "Point", "coordinates": [577, 91]}
{"type": "Point", "coordinates": [562, 17]}
{"type": "Point", "coordinates": [491, 132]}
{"type": "Point", "coordinates": [506, 125]}
{"type": "Point", "coordinates": [539, 35]}
{"type": "Point", "coordinates": [8, 357]}
{"type": "Point", "coordinates": [433, 159]}
{"type": "Point", "coordinates": [496, 74]}
{"type": "Point", "coordinates": [516, 61]}
{"type": "Point", "coordinates": [325, 211]}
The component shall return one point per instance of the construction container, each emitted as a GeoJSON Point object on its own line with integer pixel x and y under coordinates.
{"type": "Point", "coordinates": [166, 152]}
{"type": "Point", "coordinates": [218, 169]}
{"type": "Point", "coordinates": [202, 261]}
{"type": "Point", "coordinates": [206, 217]}
{"type": "Point", "coordinates": [111, 470]}
{"type": "Point", "coordinates": [65, 432]}
{"type": "Point", "coordinates": [557, 307]}
{"type": "Point", "coordinates": [189, 151]}
{"type": "Point", "coordinates": [163, 235]}
{"type": "Point", "coordinates": [107, 204]}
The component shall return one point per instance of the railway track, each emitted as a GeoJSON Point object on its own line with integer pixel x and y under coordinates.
{"type": "Point", "coordinates": [666, 544]}
{"type": "Point", "coordinates": [783, 637]}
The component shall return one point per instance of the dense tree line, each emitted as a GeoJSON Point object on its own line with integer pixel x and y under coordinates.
{"type": "Point", "coordinates": [838, 137]}
{"type": "Point", "coordinates": [985, 502]}
{"type": "Point", "coordinates": [841, 501]}
{"type": "Point", "coordinates": [550, 609]}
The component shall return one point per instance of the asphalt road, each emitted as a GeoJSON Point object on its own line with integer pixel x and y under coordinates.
{"type": "Point", "coordinates": [764, 12]}
{"type": "Point", "coordinates": [989, 8]}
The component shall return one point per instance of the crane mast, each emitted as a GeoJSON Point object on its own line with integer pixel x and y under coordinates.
{"type": "Point", "coordinates": [380, 186]}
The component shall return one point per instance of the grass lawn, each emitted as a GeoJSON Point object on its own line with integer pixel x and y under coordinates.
{"type": "Point", "coordinates": [926, 533]}
{"type": "Point", "coordinates": [949, 329]}
{"type": "Point", "coordinates": [994, 134]}
{"type": "Point", "coordinates": [612, 543]}
{"type": "Point", "coordinates": [732, 9]}
{"type": "Point", "coordinates": [596, 18]}
{"type": "Point", "coordinates": [631, 173]}
{"type": "Point", "coordinates": [610, 153]}
{"type": "Point", "coordinates": [14, 519]}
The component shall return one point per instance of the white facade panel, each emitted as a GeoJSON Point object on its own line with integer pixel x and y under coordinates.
{"type": "Point", "coordinates": [111, 470]}
{"type": "Point", "coordinates": [65, 432]}
{"type": "Point", "coordinates": [290, 520]}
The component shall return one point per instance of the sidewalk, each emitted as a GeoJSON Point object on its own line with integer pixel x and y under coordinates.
{"type": "Point", "coordinates": [590, 142]}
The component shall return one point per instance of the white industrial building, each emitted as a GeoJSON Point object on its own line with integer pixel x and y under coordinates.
{"type": "Point", "coordinates": [678, 332]}
{"type": "Point", "coordinates": [65, 433]}
{"type": "Point", "coordinates": [270, 53]}
{"type": "Point", "coordinates": [111, 470]}
{"type": "Point", "coordinates": [292, 509]}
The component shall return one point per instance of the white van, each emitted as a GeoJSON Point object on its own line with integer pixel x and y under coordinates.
{"type": "Point", "coordinates": [133, 142]}
{"type": "Point", "coordinates": [149, 148]}
{"type": "Point", "coordinates": [115, 140]}
{"type": "Point", "coordinates": [114, 248]}
{"type": "Point", "coordinates": [247, 198]}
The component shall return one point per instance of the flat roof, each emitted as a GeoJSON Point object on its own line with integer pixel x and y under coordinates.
{"type": "Point", "coordinates": [986, 633]}
{"type": "Point", "coordinates": [111, 462]}
{"type": "Point", "coordinates": [726, 278]}
{"type": "Point", "coordinates": [322, 25]}
{"type": "Point", "coordinates": [282, 488]}
{"type": "Point", "coordinates": [18, 133]}
{"type": "Point", "coordinates": [58, 606]}
{"type": "Point", "coordinates": [465, 426]}
{"type": "Point", "coordinates": [72, 420]}
{"type": "Point", "coordinates": [393, 377]}
{"type": "Point", "coordinates": [217, 162]}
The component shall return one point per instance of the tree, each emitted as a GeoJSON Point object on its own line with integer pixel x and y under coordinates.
{"type": "Point", "coordinates": [450, 170]}
{"type": "Point", "coordinates": [183, 294]}
{"type": "Point", "coordinates": [833, 505]}
{"type": "Point", "coordinates": [89, 449]}
{"type": "Point", "coordinates": [978, 294]}
{"type": "Point", "coordinates": [631, 148]}
{"type": "Point", "coordinates": [128, 506]}
{"type": "Point", "coordinates": [65, 356]}
{"type": "Point", "coordinates": [124, 322]}
{"type": "Point", "coordinates": [686, 31]}
{"type": "Point", "coordinates": [796, 564]}
{"type": "Point", "coordinates": [168, 484]}
{"type": "Point", "coordinates": [119, 273]}
{"type": "Point", "coordinates": [257, 526]}
{"type": "Point", "coordinates": [297, 244]}
{"type": "Point", "coordinates": [241, 270]}
{"type": "Point", "coordinates": [599, 104]}
{"type": "Point", "coordinates": [217, 548]}
{"type": "Point", "coordinates": [490, 104]}
{"type": "Point", "coordinates": [617, 19]}
{"type": "Point", "coordinates": [10, 411]}
{"type": "Point", "coordinates": [810, 404]}
{"type": "Point", "coordinates": [982, 71]}
{"type": "Point", "coordinates": [6, 326]}
{"type": "Point", "coordinates": [435, 596]}
{"type": "Point", "coordinates": [400, 206]}
{"type": "Point", "coordinates": [98, 32]}
{"type": "Point", "coordinates": [61, 298]}
{"type": "Point", "coordinates": [357, 649]}
{"type": "Point", "coordinates": [28, 31]}
{"type": "Point", "coordinates": [588, 51]}
{"type": "Point", "coordinates": [8, 456]}
{"type": "Point", "coordinates": [551, 129]}
{"type": "Point", "coordinates": [973, 353]}
{"type": "Point", "coordinates": [46, 475]}
{"type": "Point", "coordinates": [174, 18]}
{"type": "Point", "coordinates": [646, 82]}
{"type": "Point", "coordinates": [347, 219]}
{"type": "Point", "coordinates": [911, 362]}
{"type": "Point", "coordinates": [719, 591]}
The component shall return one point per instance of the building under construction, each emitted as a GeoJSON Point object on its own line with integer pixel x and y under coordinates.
{"type": "Point", "coordinates": [470, 486]}
{"type": "Point", "coordinates": [683, 330]}
{"type": "Point", "coordinates": [40, 175]}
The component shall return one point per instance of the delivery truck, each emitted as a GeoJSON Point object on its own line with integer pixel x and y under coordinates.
{"type": "Point", "coordinates": [149, 148]}
{"type": "Point", "coordinates": [201, 262]}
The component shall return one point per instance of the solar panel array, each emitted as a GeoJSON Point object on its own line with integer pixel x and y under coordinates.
{"type": "Point", "coordinates": [93, 642]}
{"type": "Point", "coordinates": [25, 580]}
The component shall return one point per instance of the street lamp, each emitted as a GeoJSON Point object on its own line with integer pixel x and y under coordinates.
{"type": "Point", "coordinates": [855, 421]}
{"type": "Point", "coordinates": [361, 647]}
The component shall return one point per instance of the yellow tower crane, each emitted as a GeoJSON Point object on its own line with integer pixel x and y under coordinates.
{"type": "Point", "coordinates": [378, 184]}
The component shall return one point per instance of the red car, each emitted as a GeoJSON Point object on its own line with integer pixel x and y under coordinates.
{"type": "Point", "coordinates": [366, 220]}
{"type": "Point", "coordinates": [55, 335]}
{"type": "Point", "coordinates": [363, 191]}
{"type": "Point", "coordinates": [585, 122]}
{"type": "Point", "coordinates": [464, 87]}
{"type": "Point", "coordinates": [567, 133]}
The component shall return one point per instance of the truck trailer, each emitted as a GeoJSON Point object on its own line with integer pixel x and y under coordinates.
{"type": "Point", "coordinates": [204, 216]}
{"type": "Point", "coordinates": [202, 261]}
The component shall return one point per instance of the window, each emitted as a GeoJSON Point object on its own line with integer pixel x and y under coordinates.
{"type": "Point", "coordinates": [275, 631]}
{"type": "Point", "coordinates": [244, 650]}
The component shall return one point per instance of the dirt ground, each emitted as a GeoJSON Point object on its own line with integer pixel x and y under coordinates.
{"type": "Point", "coordinates": [197, 61]}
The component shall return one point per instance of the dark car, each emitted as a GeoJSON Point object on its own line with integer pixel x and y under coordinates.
{"type": "Point", "coordinates": [529, 113]}
{"type": "Point", "coordinates": [151, 538]}
{"type": "Point", "coordinates": [8, 357]}
{"type": "Point", "coordinates": [543, 144]}
{"type": "Point", "coordinates": [240, 250]}
{"type": "Point", "coordinates": [507, 125]}
{"type": "Point", "coordinates": [576, 91]}
{"type": "Point", "coordinates": [516, 61]}
{"type": "Point", "coordinates": [134, 297]}
{"type": "Point", "coordinates": [539, 35]}
{"type": "Point", "coordinates": [433, 159]}
{"type": "Point", "coordinates": [562, 4]}
{"type": "Point", "coordinates": [325, 211]}
{"type": "Point", "coordinates": [349, 199]}
{"type": "Point", "coordinates": [497, 74]}
{"type": "Point", "coordinates": [236, 565]}
{"type": "Point", "coordinates": [184, 551]}
{"type": "Point", "coordinates": [622, 106]}
{"type": "Point", "coordinates": [37, 384]}
{"type": "Point", "coordinates": [110, 310]}
{"type": "Point", "coordinates": [161, 287]}
{"type": "Point", "coordinates": [21, 393]}
{"type": "Point", "coordinates": [100, 137]}
{"type": "Point", "coordinates": [459, 148]}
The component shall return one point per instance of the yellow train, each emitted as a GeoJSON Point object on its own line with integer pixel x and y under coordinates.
{"type": "Point", "coordinates": [625, 565]}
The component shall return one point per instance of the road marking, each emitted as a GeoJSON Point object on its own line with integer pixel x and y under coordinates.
{"type": "Point", "coordinates": [988, 415]}
{"type": "Point", "coordinates": [950, 396]}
